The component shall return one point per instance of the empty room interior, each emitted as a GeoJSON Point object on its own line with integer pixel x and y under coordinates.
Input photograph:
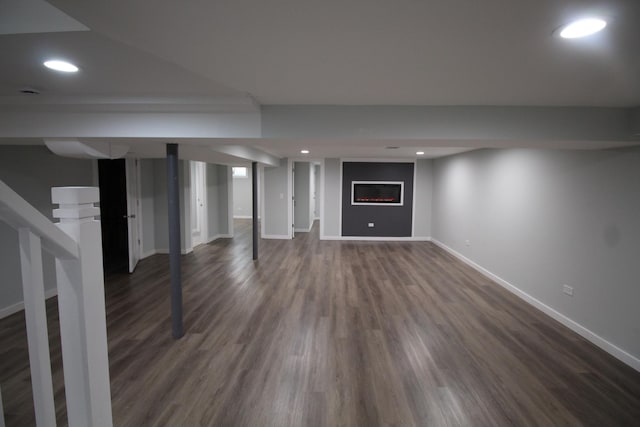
{"type": "Point", "coordinates": [285, 213]}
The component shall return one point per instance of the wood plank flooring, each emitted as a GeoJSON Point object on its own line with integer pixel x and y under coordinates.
{"type": "Point", "coordinates": [329, 333]}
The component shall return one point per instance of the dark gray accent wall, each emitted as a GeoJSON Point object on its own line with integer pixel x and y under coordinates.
{"type": "Point", "coordinates": [389, 221]}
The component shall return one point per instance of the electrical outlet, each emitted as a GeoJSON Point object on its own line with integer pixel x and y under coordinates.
{"type": "Point", "coordinates": [467, 242]}
{"type": "Point", "coordinates": [567, 290]}
{"type": "Point", "coordinates": [371, 225]}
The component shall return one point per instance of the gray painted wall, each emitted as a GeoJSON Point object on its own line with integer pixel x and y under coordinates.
{"type": "Point", "coordinates": [242, 205]}
{"type": "Point", "coordinates": [217, 201]}
{"type": "Point", "coordinates": [161, 220]}
{"type": "Point", "coordinates": [302, 191]}
{"type": "Point", "coordinates": [423, 193]}
{"type": "Point", "coordinates": [476, 125]}
{"type": "Point", "coordinates": [541, 218]}
{"type": "Point", "coordinates": [331, 204]}
{"type": "Point", "coordinates": [276, 195]}
{"type": "Point", "coordinates": [154, 204]}
{"type": "Point", "coordinates": [31, 171]}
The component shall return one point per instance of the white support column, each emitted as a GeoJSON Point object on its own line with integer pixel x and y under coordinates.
{"type": "Point", "coordinates": [81, 304]}
{"type": "Point", "coordinates": [37, 334]}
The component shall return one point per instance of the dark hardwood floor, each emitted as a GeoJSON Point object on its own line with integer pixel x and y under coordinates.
{"type": "Point", "coordinates": [329, 333]}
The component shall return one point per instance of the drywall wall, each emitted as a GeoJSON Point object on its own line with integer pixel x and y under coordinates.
{"type": "Point", "coordinates": [160, 203]}
{"type": "Point", "coordinates": [388, 221]}
{"type": "Point", "coordinates": [242, 196]}
{"type": "Point", "coordinates": [154, 204]}
{"type": "Point", "coordinates": [423, 194]}
{"type": "Point", "coordinates": [330, 204]}
{"type": "Point", "coordinates": [316, 192]}
{"type": "Point", "coordinates": [539, 219]}
{"type": "Point", "coordinates": [276, 201]}
{"type": "Point", "coordinates": [446, 126]}
{"type": "Point", "coordinates": [147, 207]}
{"type": "Point", "coordinates": [217, 201]}
{"type": "Point", "coordinates": [31, 171]}
{"type": "Point", "coordinates": [302, 183]}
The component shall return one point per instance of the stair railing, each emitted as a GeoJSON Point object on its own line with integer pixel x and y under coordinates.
{"type": "Point", "coordinates": [76, 244]}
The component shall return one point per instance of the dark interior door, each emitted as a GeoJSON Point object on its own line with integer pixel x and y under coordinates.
{"type": "Point", "coordinates": [113, 211]}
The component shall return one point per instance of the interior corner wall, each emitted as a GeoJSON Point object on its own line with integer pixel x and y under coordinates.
{"type": "Point", "coordinates": [423, 194]}
{"type": "Point", "coordinates": [31, 171]}
{"type": "Point", "coordinates": [539, 219]}
{"type": "Point", "coordinates": [160, 205]}
{"type": "Point", "coordinates": [217, 202]}
{"type": "Point", "coordinates": [186, 237]}
{"type": "Point", "coordinates": [276, 201]}
{"type": "Point", "coordinates": [226, 194]}
{"type": "Point", "coordinates": [302, 182]}
{"type": "Point", "coordinates": [330, 203]}
{"type": "Point", "coordinates": [242, 196]}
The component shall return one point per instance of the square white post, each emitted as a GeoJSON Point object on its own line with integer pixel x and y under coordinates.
{"type": "Point", "coordinates": [35, 314]}
{"type": "Point", "coordinates": [83, 329]}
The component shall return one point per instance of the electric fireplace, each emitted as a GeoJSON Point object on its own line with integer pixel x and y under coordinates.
{"type": "Point", "coordinates": [377, 193]}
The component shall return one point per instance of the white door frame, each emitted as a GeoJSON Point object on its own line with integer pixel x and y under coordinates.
{"type": "Point", "coordinates": [134, 211]}
{"type": "Point", "coordinates": [198, 198]}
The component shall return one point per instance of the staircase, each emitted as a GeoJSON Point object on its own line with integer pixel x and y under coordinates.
{"type": "Point", "coordinates": [76, 244]}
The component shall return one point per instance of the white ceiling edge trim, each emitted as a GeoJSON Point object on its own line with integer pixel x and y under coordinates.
{"type": "Point", "coordinates": [323, 122]}
{"type": "Point", "coordinates": [86, 150]}
{"type": "Point", "coordinates": [35, 16]}
{"type": "Point", "coordinates": [186, 104]}
{"type": "Point", "coordinates": [248, 153]}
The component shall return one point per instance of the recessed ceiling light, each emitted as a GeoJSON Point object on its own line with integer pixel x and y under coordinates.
{"type": "Point", "coordinates": [304, 151]}
{"type": "Point", "coordinates": [419, 153]}
{"type": "Point", "coordinates": [582, 28]}
{"type": "Point", "coordinates": [64, 66]}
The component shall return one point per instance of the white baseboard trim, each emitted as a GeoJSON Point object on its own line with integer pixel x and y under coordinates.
{"type": "Point", "coordinates": [242, 216]}
{"type": "Point", "coordinates": [377, 239]}
{"type": "Point", "coordinates": [19, 306]}
{"type": "Point", "coordinates": [148, 254]}
{"type": "Point", "coordinates": [219, 236]}
{"type": "Point", "coordinates": [276, 236]}
{"type": "Point", "coordinates": [610, 348]}
{"type": "Point", "coordinates": [165, 251]}
{"type": "Point", "coordinates": [303, 230]}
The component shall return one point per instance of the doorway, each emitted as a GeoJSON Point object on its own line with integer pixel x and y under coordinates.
{"type": "Point", "coordinates": [119, 181]}
{"type": "Point", "coordinates": [198, 203]}
{"type": "Point", "coordinates": [242, 198]}
{"type": "Point", "coordinates": [113, 214]}
{"type": "Point", "coordinates": [303, 196]}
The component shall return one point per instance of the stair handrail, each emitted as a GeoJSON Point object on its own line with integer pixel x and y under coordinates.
{"type": "Point", "coordinates": [18, 213]}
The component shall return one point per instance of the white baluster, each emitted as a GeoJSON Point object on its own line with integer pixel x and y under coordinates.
{"type": "Point", "coordinates": [37, 335]}
{"type": "Point", "coordinates": [81, 304]}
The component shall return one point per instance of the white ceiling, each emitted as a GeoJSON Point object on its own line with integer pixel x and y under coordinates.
{"type": "Point", "coordinates": [36, 16]}
{"type": "Point", "coordinates": [387, 52]}
{"type": "Point", "coordinates": [107, 67]}
{"type": "Point", "coordinates": [331, 52]}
